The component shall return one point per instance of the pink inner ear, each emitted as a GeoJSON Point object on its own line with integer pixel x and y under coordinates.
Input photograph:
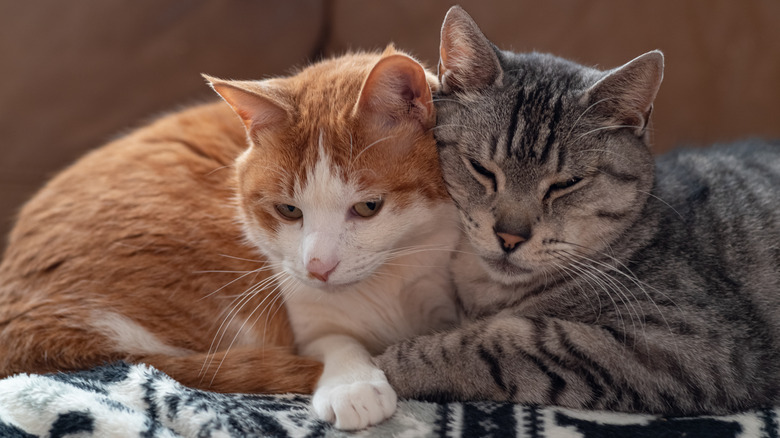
{"type": "Point", "coordinates": [255, 109]}
{"type": "Point", "coordinates": [397, 89]}
{"type": "Point", "coordinates": [626, 94]}
{"type": "Point", "coordinates": [408, 94]}
{"type": "Point", "coordinates": [467, 60]}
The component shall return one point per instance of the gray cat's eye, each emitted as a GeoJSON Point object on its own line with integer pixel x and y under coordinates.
{"type": "Point", "coordinates": [562, 185]}
{"type": "Point", "coordinates": [484, 172]}
{"type": "Point", "coordinates": [290, 212]}
{"type": "Point", "coordinates": [368, 208]}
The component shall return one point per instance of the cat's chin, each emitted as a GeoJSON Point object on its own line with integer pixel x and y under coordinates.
{"type": "Point", "coordinates": [505, 272]}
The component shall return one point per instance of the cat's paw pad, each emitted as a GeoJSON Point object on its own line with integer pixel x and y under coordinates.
{"type": "Point", "coordinates": [357, 405]}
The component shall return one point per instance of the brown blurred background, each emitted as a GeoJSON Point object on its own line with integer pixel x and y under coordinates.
{"type": "Point", "coordinates": [77, 73]}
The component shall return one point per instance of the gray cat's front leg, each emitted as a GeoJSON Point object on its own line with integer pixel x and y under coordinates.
{"type": "Point", "coordinates": [551, 361]}
{"type": "Point", "coordinates": [461, 365]}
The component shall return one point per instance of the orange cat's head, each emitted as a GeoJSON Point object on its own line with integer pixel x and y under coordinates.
{"type": "Point", "coordinates": [341, 170]}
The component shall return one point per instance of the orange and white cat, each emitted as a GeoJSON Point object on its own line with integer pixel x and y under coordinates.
{"type": "Point", "coordinates": [177, 244]}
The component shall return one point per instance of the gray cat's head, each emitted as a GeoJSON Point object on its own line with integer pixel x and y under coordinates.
{"type": "Point", "coordinates": [545, 158]}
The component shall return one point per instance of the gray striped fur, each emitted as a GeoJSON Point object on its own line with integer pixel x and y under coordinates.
{"type": "Point", "coordinates": [646, 286]}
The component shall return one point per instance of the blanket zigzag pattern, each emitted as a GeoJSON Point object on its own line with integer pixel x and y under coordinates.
{"type": "Point", "coordinates": [121, 400]}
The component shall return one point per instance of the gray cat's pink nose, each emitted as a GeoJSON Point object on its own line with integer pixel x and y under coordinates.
{"type": "Point", "coordinates": [510, 241]}
{"type": "Point", "coordinates": [321, 270]}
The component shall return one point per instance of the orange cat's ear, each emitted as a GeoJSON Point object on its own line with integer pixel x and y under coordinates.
{"type": "Point", "coordinates": [397, 90]}
{"type": "Point", "coordinates": [259, 104]}
{"type": "Point", "coordinates": [467, 60]}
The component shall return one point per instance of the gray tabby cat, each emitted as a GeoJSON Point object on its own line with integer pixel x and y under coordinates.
{"type": "Point", "coordinates": [590, 276]}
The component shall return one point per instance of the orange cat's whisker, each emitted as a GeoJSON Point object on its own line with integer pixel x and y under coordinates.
{"type": "Point", "coordinates": [235, 308]}
{"type": "Point", "coordinates": [238, 332]}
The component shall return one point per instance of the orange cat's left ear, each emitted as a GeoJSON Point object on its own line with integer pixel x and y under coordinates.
{"type": "Point", "coordinates": [256, 102]}
{"type": "Point", "coordinates": [396, 90]}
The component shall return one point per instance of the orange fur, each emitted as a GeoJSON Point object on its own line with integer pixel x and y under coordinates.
{"type": "Point", "coordinates": [318, 95]}
{"type": "Point", "coordinates": [131, 229]}
{"type": "Point", "coordinates": [136, 252]}
{"type": "Point", "coordinates": [143, 234]}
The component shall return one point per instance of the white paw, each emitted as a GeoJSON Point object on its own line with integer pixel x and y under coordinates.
{"type": "Point", "coordinates": [357, 405]}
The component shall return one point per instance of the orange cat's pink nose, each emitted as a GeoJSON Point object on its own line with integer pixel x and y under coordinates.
{"type": "Point", "coordinates": [321, 270]}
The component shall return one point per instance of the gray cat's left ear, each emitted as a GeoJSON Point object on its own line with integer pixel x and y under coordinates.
{"type": "Point", "coordinates": [467, 60]}
{"type": "Point", "coordinates": [624, 96]}
{"type": "Point", "coordinates": [397, 89]}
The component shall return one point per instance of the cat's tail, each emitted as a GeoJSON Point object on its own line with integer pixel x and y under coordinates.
{"type": "Point", "coordinates": [270, 369]}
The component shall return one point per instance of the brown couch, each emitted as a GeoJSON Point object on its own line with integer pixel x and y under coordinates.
{"type": "Point", "coordinates": [77, 73]}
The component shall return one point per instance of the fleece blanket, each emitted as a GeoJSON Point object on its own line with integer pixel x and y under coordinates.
{"type": "Point", "coordinates": [121, 400]}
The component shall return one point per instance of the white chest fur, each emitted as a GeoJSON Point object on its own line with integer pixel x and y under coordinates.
{"type": "Point", "coordinates": [409, 296]}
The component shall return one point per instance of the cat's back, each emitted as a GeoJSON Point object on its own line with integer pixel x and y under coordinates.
{"type": "Point", "coordinates": [149, 178]}
{"type": "Point", "coordinates": [734, 185]}
{"type": "Point", "coordinates": [718, 236]}
{"type": "Point", "coordinates": [142, 227]}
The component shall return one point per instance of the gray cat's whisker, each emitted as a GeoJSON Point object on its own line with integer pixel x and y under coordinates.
{"type": "Point", "coordinates": [439, 99]}
{"type": "Point", "coordinates": [576, 122]}
{"type": "Point", "coordinates": [452, 125]}
{"type": "Point", "coordinates": [661, 200]}
{"type": "Point", "coordinates": [422, 248]}
{"type": "Point", "coordinates": [608, 284]}
{"type": "Point", "coordinates": [410, 251]}
{"type": "Point", "coordinates": [404, 265]}
{"type": "Point", "coordinates": [637, 190]}
{"type": "Point", "coordinates": [602, 151]}
{"type": "Point", "coordinates": [405, 254]}
{"type": "Point", "coordinates": [568, 271]}
{"type": "Point", "coordinates": [603, 128]}
{"type": "Point", "coordinates": [642, 285]}
{"type": "Point", "coordinates": [632, 277]}
{"type": "Point", "coordinates": [402, 251]}
{"type": "Point", "coordinates": [603, 286]}
{"type": "Point", "coordinates": [622, 290]}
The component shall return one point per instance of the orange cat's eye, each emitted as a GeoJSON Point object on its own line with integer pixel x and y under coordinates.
{"type": "Point", "coordinates": [368, 208]}
{"type": "Point", "coordinates": [289, 211]}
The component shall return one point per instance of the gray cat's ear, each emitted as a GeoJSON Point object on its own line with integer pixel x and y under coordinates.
{"type": "Point", "coordinates": [258, 103]}
{"type": "Point", "coordinates": [624, 96]}
{"type": "Point", "coordinates": [397, 89]}
{"type": "Point", "coordinates": [467, 60]}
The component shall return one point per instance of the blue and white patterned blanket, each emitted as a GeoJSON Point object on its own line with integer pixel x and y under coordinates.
{"type": "Point", "coordinates": [122, 400]}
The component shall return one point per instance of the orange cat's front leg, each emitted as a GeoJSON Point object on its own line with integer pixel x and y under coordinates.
{"type": "Point", "coordinates": [352, 392]}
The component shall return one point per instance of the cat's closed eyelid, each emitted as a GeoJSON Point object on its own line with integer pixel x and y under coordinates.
{"type": "Point", "coordinates": [563, 187]}
{"type": "Point", "coordinates": [482, 174]}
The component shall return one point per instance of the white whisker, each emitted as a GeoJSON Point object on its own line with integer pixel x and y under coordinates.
{"type": "Point", "coordinates": [238, 332]}
{"type": "Point", "coordinates": [370, 146]}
